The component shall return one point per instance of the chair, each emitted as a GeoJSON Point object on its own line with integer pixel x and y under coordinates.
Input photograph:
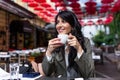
{"type": "Point", "coordinates": [98, 52]}
{"type": "Point", "coordinates": [4, 60]}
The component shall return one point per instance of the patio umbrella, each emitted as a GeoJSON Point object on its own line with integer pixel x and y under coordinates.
{"type": "Point", "coordinates": [99, 22]}
{"type": "Point", "coordinates": [33, 4]}
{"type": "Point", "coordinates": [50, 9]}
{"type": "Point", "coordinates": [82, 22]}
{"type": "Point", "coordinates": [105, 8]}
{"type": "Point", "coordinates": [62, 8]}
{"type": "Point", "coordinates": [27, 0]}
{"type": "Point", "coordinates": [56, 1]}
{"type": "Point", "coordinates": [108, 19]}
{"type": "Point", "coordinates": [72, 0]}
{"type": "Point", "coordinates": [90, 7]}
{"type": "Point", "coordinates": [89, 23]}
{"type": "Point", "coordinates": [107, 1]}
{"type": "Point", "coordinates": [78, 12]}
{"type": "Point", "coordinates": [39, 8]}
{"type": "Point", "coordinates": [116, 6]}
{"type": "Point", "coordinates": [76, 9]}
{"type": "Point", "coordinates": [57, 4]}
{"type": "Point", "coordinates": [90, 10]}
{"type": "Point", "coordinates": [41, 1]}
{"type": "Point", "coordinates": [90, 3]}
{"type": "Point", "coordinates": [74, 4]}
{"type": "Point", "coordinates": [48, 14]}
{"type": "Point", "coordinates": [45, 5]}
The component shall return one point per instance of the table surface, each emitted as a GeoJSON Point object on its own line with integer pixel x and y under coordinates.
{"type": "Point", "coordinates": [53, 78]}
{"type": "Point", "coordinates": [112, 58]}
{"type": "Point", "coordinates": [7, 76]}
{"type": "Point", "coordinates": [4, 56]}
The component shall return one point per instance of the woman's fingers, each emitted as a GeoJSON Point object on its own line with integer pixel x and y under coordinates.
{"type": "Point", "coordinates": [54, 43]}
{"type": "Point", "coordinates": [72, 41]}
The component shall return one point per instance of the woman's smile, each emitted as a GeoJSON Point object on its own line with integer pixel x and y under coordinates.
{"type": "Point", "coordinates": [61, 30]}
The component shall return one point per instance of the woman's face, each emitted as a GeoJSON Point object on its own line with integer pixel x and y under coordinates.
{"type": "Point", "coordinates": [62, 26]}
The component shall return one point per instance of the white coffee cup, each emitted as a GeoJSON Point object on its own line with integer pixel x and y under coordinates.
{"type": "Point", "coordinates": [63, 38]}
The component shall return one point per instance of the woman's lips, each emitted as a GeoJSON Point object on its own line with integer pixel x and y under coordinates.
{"type": "Point", "coordinates": [61, 30]}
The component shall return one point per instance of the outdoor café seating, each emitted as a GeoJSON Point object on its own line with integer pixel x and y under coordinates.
{"type": "Point", "coordinates": [23, 75]}
{"type": "Point", "coordinates": [98, 55]}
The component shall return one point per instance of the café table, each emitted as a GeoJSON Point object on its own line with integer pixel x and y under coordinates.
{"type": "Point", "coordinates": [113, 58]}
{"type": "Point", "coordinates": [63, 78]}
{"type": "Point", "coordinates": [46, 78]}
{"type": "Point", "coordinates": [6, 76]}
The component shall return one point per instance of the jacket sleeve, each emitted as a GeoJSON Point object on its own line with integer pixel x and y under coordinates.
{"type": "Point", "coordinates": [86, 63]}
{"type": "Point", "coordinates": [48, 66]}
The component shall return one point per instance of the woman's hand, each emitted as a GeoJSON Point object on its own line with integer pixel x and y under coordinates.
{"type": "Point", "coordinates": [72, 41]}
{"type": "Point", "coordinates": [53, 44]}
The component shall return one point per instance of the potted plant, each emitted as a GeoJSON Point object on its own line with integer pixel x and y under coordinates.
{"type": "Point", "coordinates": [98, 39]}
{"type": "Point", "coordinates": [37, 55]}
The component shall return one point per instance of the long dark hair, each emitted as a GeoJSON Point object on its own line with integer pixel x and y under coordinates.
{"type": "Point", "coordinates": [71, 18]}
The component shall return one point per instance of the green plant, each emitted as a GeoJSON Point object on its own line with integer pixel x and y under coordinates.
{"type": "Point", "coordinates": [109, 39]}
{"type": "Point", "coordinates": [35, 54]}
{"type": "Point", "coordinates": [98, 39]}
{"type": "Point", "coordinates": [114, 27]}
{"type": "Point", "coordinates": [102, 37]}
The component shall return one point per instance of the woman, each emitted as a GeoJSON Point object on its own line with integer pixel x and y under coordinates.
{"type": "Point", "coordinates": [73, 59]}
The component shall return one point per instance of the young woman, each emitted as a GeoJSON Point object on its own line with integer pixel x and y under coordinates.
{"type": "Point", "coordinates": [74, 59]}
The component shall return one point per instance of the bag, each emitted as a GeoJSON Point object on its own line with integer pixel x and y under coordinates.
{"type": "Point", "coordinates": [25, 68]}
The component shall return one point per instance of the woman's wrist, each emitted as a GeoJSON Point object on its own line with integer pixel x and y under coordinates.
{"type": "Point", "coordinates": [79, 49]}
{"type": "Point", "coordinates": [48, 53]}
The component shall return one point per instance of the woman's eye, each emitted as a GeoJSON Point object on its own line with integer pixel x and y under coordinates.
{"type": "Point", "coordinates": [64, 21]}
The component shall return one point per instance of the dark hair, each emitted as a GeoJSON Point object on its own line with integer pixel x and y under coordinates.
{"type": "Point", "coordinates": [71, 18]}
